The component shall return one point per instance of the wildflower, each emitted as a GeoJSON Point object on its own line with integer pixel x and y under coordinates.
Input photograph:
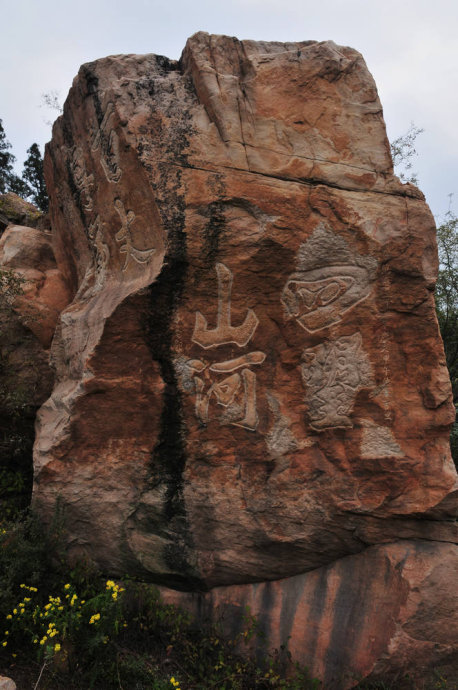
{"type": "Point", "coordinates": [110, 584]}
{"type": "Point", "coordinates": [27, 599]}
{"type": "Point", "coordinates": [57, 647]}
{"type": "Point", "coordinates": [94, 618]}
{"type": "Point", "coordinates": [114, 595]}
{"type": "Point", "coordinates": [4, 643]}
{"type": "Point", "coordinates": [15, 611]}
{"type": "Point", "coordinates": [66, 586]}
{"type": "Point", "coordinates": [7, 632]}
{"type": "Point", "coordinates": [9, 616]}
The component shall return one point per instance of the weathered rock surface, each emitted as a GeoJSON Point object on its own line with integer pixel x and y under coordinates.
{"type": "Point", "coordinates": [384, 613]}
{"type": "Point", "coordinates": [250, 378]}
{"type": "Point", "coordinates": [17, 211]}
{"type": "Point", "coordinates": [28, 252]}
{"type": "Point", "coordinates": [7, 683]}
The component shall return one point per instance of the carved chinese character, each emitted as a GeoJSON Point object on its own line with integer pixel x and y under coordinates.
{"type": "Point", "coordinates": [123, 236]}
{"type": "Point", "coordinates": [224, 333]}
{"type": "Point", "coordinates": [107, 140]}
{"type": "Point", "coordinates": [236, 392]}
{"type": "Point", "coordinates": [84, 182]}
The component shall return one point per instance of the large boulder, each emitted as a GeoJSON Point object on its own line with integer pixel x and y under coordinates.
{"type": "Point", "coordinates": [17, 211]}
{"type": "Point", "coordinates": [250, 378]}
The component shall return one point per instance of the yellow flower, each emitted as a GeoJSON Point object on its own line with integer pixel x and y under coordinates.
{"type": "Point", "coordinates": [57, 647]}
{"type": "Point", "coordinates": [27, 599]}
{"type": "Point", "coordinates": [4, 643]}
{"type": "Point", "coordinates": [110, 584]}
{"type": "Point", "coordinates": [66, 586]}
{"type": "Point", "coordinates": [48, 606]}
{"type": "Point", "coordinates": [7, 632]}
{"type": "Point", "coordinates": [9, 616]}
{"type": "Point", "coordinates": [114, 595]}
{"type": "Point", "coordinates": [15, 611]}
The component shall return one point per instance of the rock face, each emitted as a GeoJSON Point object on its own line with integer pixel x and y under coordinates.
{"type": "Point", "coordinates": [17, 211]}
{"type": "Point", "coordinates": [250, 379]}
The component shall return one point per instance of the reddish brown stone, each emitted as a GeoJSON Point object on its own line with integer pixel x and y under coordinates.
{"type": "Point", "coordinates": [251, 382]}
{"type": "Point", "coordinates": [385, 613]}
{"type": "Point", "coordinates": [28, 252]}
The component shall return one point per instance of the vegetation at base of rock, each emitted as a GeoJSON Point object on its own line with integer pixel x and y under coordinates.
{"type": "Point", "coordinates": [16, 412]}
{"type": "Point", "coordinates": [76, 629]}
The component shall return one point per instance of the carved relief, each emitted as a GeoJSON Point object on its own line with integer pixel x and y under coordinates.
{"type": "Point", "coordinates": [124, 237]}
{"type": "Point", "coordinates": [84, 182]}
{"type": "Point", "coordinates": [333, 373]}
{"type": "Point", "coordinates": [236, 392]}
{"type": "Point", "coordinates": [102, 253]}
{"type": "Point", "coordinates": [330, 279]}
{"type": "Point", "coordinates": [224, 333]}
{"type": "Point", "coordinates": [378, 442]}
{"type": "Point", "coordinates": [107, 140]}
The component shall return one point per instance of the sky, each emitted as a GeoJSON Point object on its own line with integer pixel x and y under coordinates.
{"type": "Point", "coordinates": [410, 47]}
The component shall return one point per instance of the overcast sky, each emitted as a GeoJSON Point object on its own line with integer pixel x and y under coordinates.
{"type": "Point", "coordinates": [410, 46]}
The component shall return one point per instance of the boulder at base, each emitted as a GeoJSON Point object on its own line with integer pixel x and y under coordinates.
{"type": "Point", "coordinates": [251, 383]}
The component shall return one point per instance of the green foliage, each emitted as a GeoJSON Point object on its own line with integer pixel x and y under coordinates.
{"type": "Point", "coordinates": [32, 184]}
{"type": "Point", "coordinates": [33, 177]}
{"type": "Point", "coordinates": [402, 152]}
{"type": "Point", "coordinates": [16, 413]}
{"type": "Point", "coordinates": [9, 182]}
{"type": "Point", "coordinates": [447, 305]}
{"type": "Point", "coordinates": [74, 629]}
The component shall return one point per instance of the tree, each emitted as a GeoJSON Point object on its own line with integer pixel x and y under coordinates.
{"type": "Point", "coordinates": [9, 182]}
{"type": "Point", "coordinates": [447, 305]}
{"type": "Point", "coordinates": [33, 178]}
{"type": "Point", "coordinates": [402, 152]}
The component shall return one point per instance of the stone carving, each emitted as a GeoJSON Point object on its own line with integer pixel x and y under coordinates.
{"type": "Point", "coordinates": [83, 181]}
{"type": "Point", "coordinates": [333, 373]}
{"type": "Point", "coordinates": [124, 237]}
{"type": "Point", "coordinates": [106, 139]}
{"type": "Point", "coordinates": [224, 333]}
{"type": "Point", "coordinates": [378, 442]}
{"type": "Point", "coordinates": [330, 280]}
{"type": "Point", "coordinates": [102, 253]}
{"type": "Point", "coordinates": [236, 392]}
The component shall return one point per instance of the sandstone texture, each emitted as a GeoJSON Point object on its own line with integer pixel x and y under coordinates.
{"type": "Point", "coordinates": [7, 683]}
{"type": "Point", "coordinates": [28, 253]}
{"type": "Point", "coordinates": [250, 379]}
{"type": "Point", "coordinates": [384, 613]}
